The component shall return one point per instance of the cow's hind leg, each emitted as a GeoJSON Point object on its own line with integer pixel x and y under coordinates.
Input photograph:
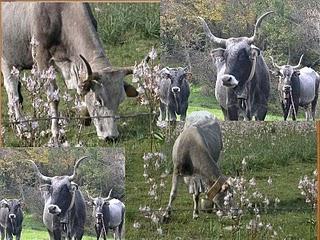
{"type": "Point", "coordinates": [261, 113]}
{"type": "Point", "coordinates": [195, 205]}
{"type": "Point", "coordinates": [173, 194]}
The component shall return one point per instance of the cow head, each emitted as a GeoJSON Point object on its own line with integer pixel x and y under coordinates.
{"type": "Point", "coordinates": [176, 76]}
{"type": "Point", "coordinates": [13, 207]}
{"type": "Point", "coordinates": [102, 90]}
{"type": "Point", "coordinates": [98, 205]}
{"type": "Point", "coordinates": [285, 74]}
{"type": "Point", "coordinates": [59, 190]}
{"type": "Point", "coordinates": [220, 192]}
{"type": "Point", "coordinates": [238, 54]}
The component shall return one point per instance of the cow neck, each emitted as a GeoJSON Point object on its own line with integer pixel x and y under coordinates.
{"type": "Point", "coordinates": [252, 72]}
{"type": "Point", "coordinates": [66, 215]}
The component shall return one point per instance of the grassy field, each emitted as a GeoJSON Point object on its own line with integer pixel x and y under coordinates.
{"type": "Point", "coordinates": [284, 152]}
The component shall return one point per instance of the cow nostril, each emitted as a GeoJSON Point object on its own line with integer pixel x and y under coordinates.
{"type": "Point", "coordinates": [175, 89]}
{"type": "Point", "coordinates": [12, 216]}
{"type": "Point", "coordinates": [111, 139]}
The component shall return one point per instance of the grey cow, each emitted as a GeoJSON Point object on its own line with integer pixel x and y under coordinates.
{"type": "Point", "coordinates": [174, 93]}
{"type": "Point", "coordinates": [243, 83]}
{"type": "Point", "coordinates": [109, 214]}
{"type": "Point", "coordinates": [68, 38]}
{"type": "Point", "coordinates": [195, 154]}
{"type": "Point", "coordinates": [64, 213]}
{"type": "Point", "coordinates": [11, 218]}
{"type": "Point", "coordinates": [297, 87]}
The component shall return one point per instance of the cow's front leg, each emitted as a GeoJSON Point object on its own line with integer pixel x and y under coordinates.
{"type": "Point", "coordinates": [2, 232]}
{"type": "Point", "coordinates": [53, 99]}
{"type": "Point", "coordinates": [11, 84]}
{"type": "Point", "coordinates": [195, 205]}
{"type": "Point", "coordinates": [171, 114]}
{"type": "Point", "coordinates": [163, 112]}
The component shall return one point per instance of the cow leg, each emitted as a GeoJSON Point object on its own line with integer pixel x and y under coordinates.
{"type": "Point", "coordinates": [184, 109]}
{"type": "Point", "coordinates": [261, 112]}
{"type": "Point", "coordinates": [42, 59]}
{"type": "Point", "coordinates": [171, 114]}
{"type": "Point", "coordinates": [2, 232]}
{"type": "Point", "coordinates": [53, 103]}
{"type": "Point", "coordinates": [11, 85]}
{"type": "Point", "coordinates": [313, 107]}
{"type": "Point", "coordinates": [306, 112]}
{"type": "Point", "coordinates": [233, 114]}
{"type": "Point", "coordinates": [295, 112]}
{"type": "Point", "coordinates": [8, 235]}
{"type": "Point", "coordinates": [173, 194]}
{"type": "Point", "coordinates": [163, 112]}
{"type": "Point", "coordinates": [195, 205]}
{"type": "Point", "coordinates": [121, 225]}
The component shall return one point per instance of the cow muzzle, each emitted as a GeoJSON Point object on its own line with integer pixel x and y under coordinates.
{"type": "Point", "coordinates": [229, 81]}
{"type": "Point", "coordinates": [12, 216]}
{"type": "Point", "coordinates": [286, 88]}
{"type": "Point", "coordinates": [175, 89]}
{"type": "Point", "coordinates": [54, 209]}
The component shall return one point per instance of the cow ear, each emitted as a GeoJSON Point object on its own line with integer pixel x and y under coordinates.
{"type": "Point", "coordinates": [74, 187]}
{"type": "Point", "coordinates": [90, 203]}
{"type": "Point", "coordinates": [224, 187]}
{"type": "Point", "coordinates": [130, 90]}
{"type": "Point", "coordinates": [217, 52]}
{"type": "Point", "coordinates": [255, 51]}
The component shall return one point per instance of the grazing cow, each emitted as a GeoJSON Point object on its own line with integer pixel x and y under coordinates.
{"type": "Point", "coordinates": [174, 93]}
{"type": "Point", "coordinates": [243, 83]}
{"type": "Point", "coordinates": [67, 37]}
{"type": "Point", "coordinates": [109, 214]}
{"type": "Point", "coordinates": [297, 88]}
{"type": "Point", "coordinates": [64, 212]}
{"type": "Point", "coordinates": [11, 217]}
{"type": "Point", "coordinates": [195, 154]}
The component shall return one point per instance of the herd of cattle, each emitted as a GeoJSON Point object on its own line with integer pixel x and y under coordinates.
{"type": "Point", "coordinates": [72, 44]}
{"type": "Point", "coordinates": [64, 213]}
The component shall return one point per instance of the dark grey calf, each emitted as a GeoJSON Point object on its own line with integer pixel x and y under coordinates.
{"type": "Point", "coordinates": [174, 93]}
{"type": "Point", "coordinates": [11, 217]}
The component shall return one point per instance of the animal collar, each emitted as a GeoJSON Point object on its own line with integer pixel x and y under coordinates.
{"type": "Point", "coordinates": [216, 187]}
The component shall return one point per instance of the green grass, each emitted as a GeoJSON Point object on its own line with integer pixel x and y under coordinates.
{"type": "Point", "coordinates": [199, 102]}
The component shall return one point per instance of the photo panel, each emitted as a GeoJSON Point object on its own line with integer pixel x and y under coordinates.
{"type": "Point", "coordinates": [61, 192]}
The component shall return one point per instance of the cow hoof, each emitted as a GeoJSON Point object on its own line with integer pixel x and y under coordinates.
{"type": "Point", "coordinates": [195, 216]}
{"type": "Point", "coordinates": [165, 218]}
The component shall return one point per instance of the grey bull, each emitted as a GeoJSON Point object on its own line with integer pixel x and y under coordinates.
{"type": "Point", "coordinates": [67, 37]}
{"type": "Point", "coordinates": [109, 214]}
{"type": "Point", "coordinates": [11, 218]}
{"type": "Point", "coordinates": [195, 154]}
{"type": "Point", "coordinates": [64, 213]}
{"type": "Point", "coordinates": [243, 83]}
{"type": "Point", "coordinates": [174, 93]}
{"type": "Point", "coordinates": [297, 87]}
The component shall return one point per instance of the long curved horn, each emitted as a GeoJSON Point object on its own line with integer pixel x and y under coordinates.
{"type": "Point", "coordinates": [89, 70]}
{"type": "Point", "coordinates": [256, 27]}
{"type": "Point", "coordinates": [274, 64]}
{"type": "Point", "coordinates": [75, 168]}
{"type": "Point", "coordinates": [39, 174]}
{"type": "Point", "coordinates": [298, 65]}
{"type": "Point", "coordinates": [91, 198]}
{"type": "Point", "coordinates": [220, 41]}
{"type": "Point", "coordinates": [109, 195]}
